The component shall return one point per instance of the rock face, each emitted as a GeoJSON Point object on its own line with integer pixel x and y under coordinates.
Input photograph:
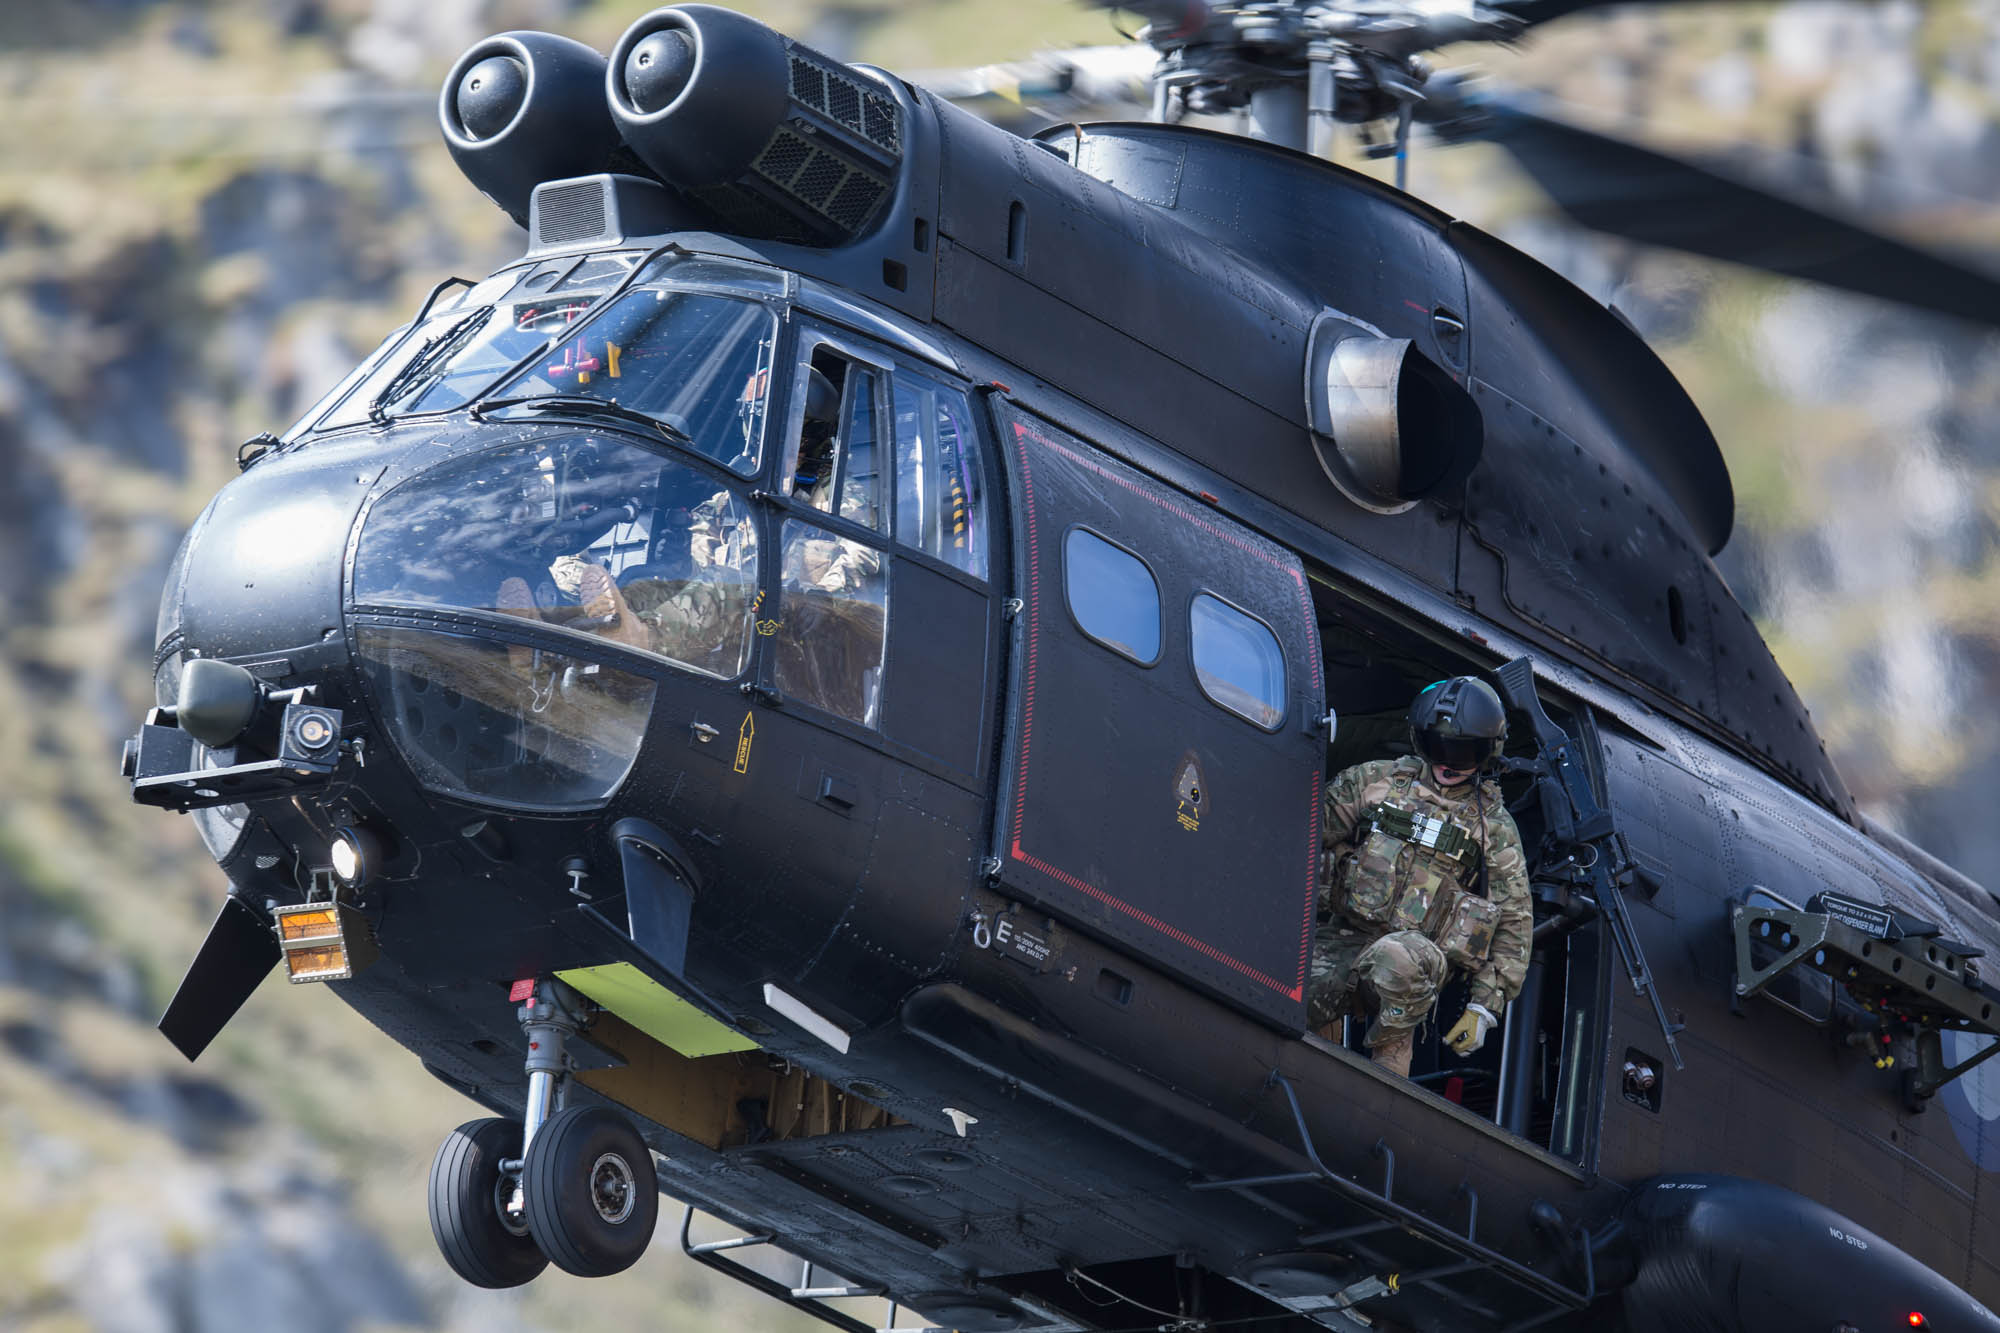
{"type": "Point", "coordinates": [269, 199]}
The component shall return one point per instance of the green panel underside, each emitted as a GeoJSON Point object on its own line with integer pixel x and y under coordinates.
{"type": "Point", "coordinates": [655, 1010]}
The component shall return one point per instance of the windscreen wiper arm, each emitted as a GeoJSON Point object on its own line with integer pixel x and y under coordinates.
{"type": "Point", "coordinates": [427, 356]}
{"type": "Point", "coordinates": [581, 404]}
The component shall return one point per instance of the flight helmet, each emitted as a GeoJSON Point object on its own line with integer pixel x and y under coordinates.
{"type": "Point", "coordinates": [1459, 723]}
{"type": "Point", "coordinates": [816, 434]}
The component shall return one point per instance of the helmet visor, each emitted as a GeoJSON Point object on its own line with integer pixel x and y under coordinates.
{"type": "Point", "coordinates": [1456, 751]}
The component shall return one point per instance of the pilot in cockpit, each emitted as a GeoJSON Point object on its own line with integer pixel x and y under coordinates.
{"type": "Point", "coordinates": [829, 564]}
{"type": "Point", "coordinates": [699, 577]}
{"type": "Point", "coordinates": [1421, 872]}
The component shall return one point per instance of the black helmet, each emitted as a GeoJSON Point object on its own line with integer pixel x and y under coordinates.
{"type": "Point", "coordinates": [822, 414]}
{"type": "Point", "coordinates": [1459, 723]}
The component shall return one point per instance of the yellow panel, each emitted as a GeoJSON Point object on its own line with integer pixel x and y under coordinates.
{"type": "Point", "coordinates": [655, 1010]}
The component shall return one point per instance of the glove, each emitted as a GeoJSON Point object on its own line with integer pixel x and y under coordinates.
{"type": "Point", "coordinates": [1469, 1033]}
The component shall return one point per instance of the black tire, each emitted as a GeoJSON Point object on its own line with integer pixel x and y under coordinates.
{"type": "Point", "coordinates": [466, 1203]}
{"type": "Point", "coordinates": [593, 1196]}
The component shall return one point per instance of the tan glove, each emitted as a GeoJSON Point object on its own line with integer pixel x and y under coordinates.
{"type": "Point", "coordinates": [1469, 1033]}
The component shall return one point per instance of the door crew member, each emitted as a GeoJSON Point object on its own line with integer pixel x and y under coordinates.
{"type": "Point", "coordinates": [1421, 871]}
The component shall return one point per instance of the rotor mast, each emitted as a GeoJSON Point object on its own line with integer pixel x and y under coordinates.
{"type": "Point", "coordinates": [1299, 68]}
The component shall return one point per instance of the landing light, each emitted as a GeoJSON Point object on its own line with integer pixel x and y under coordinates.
{"type": "Point", "coordinates": [324, 941]}
{"type": "Point", "coordinates": [356, 854]}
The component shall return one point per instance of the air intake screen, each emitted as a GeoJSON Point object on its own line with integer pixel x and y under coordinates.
{"type": "Point", "coordinates": [823, 174]}
{"type": "Point", "coordinates": [570, 213]}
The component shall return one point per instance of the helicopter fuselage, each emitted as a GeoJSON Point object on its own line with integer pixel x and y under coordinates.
{"type": "Point", "coordinates": [930, 804]}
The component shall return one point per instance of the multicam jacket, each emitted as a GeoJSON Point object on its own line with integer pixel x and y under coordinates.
{"type": "Point", "coordinates": [1397, 853]}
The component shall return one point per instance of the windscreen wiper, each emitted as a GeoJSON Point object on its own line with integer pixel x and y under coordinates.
{"type": "Point", "coordinates": [582, 404]}
{"type": "Point", "coordinates": [427, 356]}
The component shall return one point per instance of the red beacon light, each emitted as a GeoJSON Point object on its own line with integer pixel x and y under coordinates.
{"type": "Point", "coordinates": [1917, 1320]}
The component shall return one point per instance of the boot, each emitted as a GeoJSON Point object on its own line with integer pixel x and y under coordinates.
{"type": "Point", "coordinates": [1394, 1053]}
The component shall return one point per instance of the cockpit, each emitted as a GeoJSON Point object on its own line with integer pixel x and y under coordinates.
{"type": "Point", "coordinates": [575, 491]}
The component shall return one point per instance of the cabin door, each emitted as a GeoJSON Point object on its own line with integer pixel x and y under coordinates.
{"type": "Point", "coordinates": [1164, 758]}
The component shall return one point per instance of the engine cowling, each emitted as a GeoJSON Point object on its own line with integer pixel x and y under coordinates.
{"type": "Point", "coordinates": [776, 140]}
{"type": "Point", "coordinates": [523, 108]}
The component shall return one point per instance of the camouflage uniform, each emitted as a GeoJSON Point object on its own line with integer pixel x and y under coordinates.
{"type": "Point", "coordinates": [1399, 902]}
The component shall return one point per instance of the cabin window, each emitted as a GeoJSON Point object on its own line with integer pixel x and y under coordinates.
{"type": "Point", "coordinates": [1112, 595]}
{"type": "Point", "coordinates": [833, 617]}
{"type": "Point", "coordinates": [1238, 661]}
{"type": "Point", "coordinates": [940, 474]}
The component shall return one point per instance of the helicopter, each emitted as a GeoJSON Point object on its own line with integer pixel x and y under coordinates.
{"type": "Point", "coordinates": [810, 692]}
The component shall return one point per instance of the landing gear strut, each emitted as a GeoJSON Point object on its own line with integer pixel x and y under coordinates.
{"type": "Point", "coordinates": [572, 1185]}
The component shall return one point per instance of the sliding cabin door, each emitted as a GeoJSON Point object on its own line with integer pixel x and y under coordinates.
{"type": "Point", "coordinates": [1163, 755]}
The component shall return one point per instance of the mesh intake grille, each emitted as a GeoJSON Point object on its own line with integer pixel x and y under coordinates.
{"type": "Point", "coordinates": [855, 200]}
{"type": "Point", "coordinates": [808, 84]}
{"type": "Point", "coordinates": [573, 213]}
{"type": "Point", "coordinates": [783, 157]}
{"type": "Point", "coordinates": [823, 87]}
{"type": "Point", "coordinates": [743, 212]}
{"type": "Point", "coordinates": [843, 103]}
{"type": "Point", "coordinates": [820, 178]}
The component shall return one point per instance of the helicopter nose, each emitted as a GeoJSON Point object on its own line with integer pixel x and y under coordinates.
{"type": "Point", "coordinates": [490, 95]}
{"type": "Point", "coordinates": [658, 69]}
{"type": "Point", "coordinates": [263, 576]}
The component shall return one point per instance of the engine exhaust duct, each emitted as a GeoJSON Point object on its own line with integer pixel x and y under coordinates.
{"type": "Point", "coordinates": [1389, 426]}
{"type": "Point", "coordinates": [522, 108]}
{"type": "Point", "coordinates": [773, 139]}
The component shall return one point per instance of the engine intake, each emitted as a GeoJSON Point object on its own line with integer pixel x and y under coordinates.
{"type": "Point", "coordinates": [774, 139]}
{"type": "Point", "coordinates": [522, 108]}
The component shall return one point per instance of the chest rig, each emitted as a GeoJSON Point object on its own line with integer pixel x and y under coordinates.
{"type": "Point", "coordinates": [1415, 865]}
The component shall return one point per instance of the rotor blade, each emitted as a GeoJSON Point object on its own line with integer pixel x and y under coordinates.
{"type": "Point", "coordinates": [1533, 12]}
{"type": "Point", "coordinates": [233, 960]}
{"type": "Point", "coordinates": [1059, 83]}
{"type": "Point", "coordinates": [1616, 186]}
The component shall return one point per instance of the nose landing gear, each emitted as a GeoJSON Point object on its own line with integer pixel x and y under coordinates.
{"type": "Point", "coordinates": [570, 1185]}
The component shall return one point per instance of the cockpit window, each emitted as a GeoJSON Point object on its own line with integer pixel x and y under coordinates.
{"type": "Point", "coordinates": [478, 349]}
{"type": "Point", "coordinates": [699, 363]}
{"type": "Point", "coordinates": [581, 534]}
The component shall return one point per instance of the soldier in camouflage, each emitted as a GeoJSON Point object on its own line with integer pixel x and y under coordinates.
{"type": "Point", "coordinates": [1421, 871]}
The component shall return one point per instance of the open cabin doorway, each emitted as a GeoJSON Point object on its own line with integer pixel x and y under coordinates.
{"type": "Point", "coordinates": [1539, 1075]}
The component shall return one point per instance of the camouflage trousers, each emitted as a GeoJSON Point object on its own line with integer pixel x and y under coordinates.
{"type": "Point", "coordinates": [1401, 971]}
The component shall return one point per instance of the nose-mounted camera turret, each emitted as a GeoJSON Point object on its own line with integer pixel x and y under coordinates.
{"type": "Point", "coordinates": [228, 738]}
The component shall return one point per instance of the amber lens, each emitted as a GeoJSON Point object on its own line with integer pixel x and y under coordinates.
{"type": "Point", "coordinates": [331, 959]}
{"type": "Point", "coordinates": [303, 925]}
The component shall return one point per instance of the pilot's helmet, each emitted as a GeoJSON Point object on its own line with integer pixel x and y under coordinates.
{"type": "Point", "coordinates": [816, 434]}
{"type": "Point", "coordinates": [1459, 723]}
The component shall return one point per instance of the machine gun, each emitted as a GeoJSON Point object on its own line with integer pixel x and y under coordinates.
{"type": "Point", "coordinates": [1573, 821]}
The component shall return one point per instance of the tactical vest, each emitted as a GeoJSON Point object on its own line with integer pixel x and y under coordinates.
{"type": "Point", "coordinates": [1415, 866]}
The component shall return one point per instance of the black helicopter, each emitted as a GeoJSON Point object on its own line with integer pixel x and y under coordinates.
{"type": "Point", "coordinates": [810, 692]}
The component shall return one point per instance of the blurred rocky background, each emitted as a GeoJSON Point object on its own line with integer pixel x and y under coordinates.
{"type": "Point", "coordinates": [210, 209]}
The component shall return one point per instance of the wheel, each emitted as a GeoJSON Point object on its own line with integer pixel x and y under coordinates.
{"type": "Point", "coordinates": [592, 1194]}
{"type": "Point", "coordinates": [469, 1196]}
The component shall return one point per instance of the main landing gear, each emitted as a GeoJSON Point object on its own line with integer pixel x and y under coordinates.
{"type": "Point", "coordinates": [570, 1185]}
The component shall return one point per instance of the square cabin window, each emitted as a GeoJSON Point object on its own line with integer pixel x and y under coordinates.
{"type": "Point", "coordinates": [1238, 661]}
{"type": "Point", "coordinates": [1112, 595]}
